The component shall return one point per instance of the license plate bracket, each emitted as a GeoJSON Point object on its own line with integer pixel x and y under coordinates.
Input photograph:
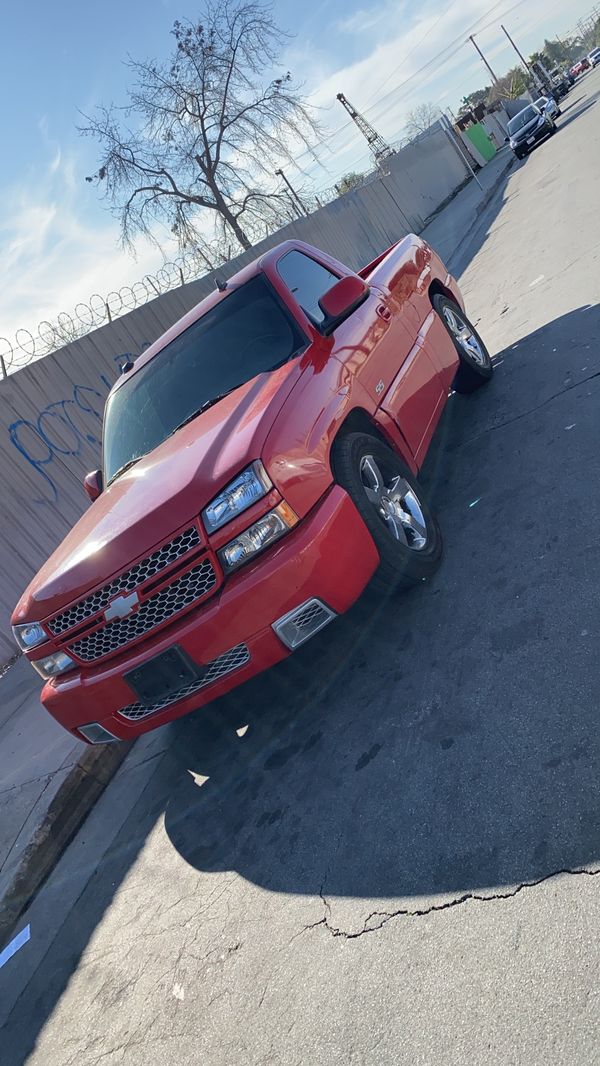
{"type": "Point", "coordinates": [163, 676]}
{"type": "Point", "coordinates": [530, 140]}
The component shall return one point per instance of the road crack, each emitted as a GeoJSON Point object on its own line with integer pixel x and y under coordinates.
{"type": "Point", "coordinates": [376, 920]}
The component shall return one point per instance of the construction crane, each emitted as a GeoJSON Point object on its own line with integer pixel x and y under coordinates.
{"type": "Point", "coordinates": [380, 149]}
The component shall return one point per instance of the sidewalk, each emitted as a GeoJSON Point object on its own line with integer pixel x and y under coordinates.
{"type": "Point", "coordinates": [454, 224]}
{"type": "Point", "coordinates": [48, 783]}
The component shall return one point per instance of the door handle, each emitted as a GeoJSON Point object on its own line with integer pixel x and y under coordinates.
{"type": "Point", "coordinates": [384, 312]}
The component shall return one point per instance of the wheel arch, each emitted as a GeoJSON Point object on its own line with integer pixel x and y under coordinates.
{"type": "Point", "coordinates": [359, 420]}
{"type": "Point", "coordinates": [437, 288]}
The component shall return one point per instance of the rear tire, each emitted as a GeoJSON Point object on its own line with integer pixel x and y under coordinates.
{"type": "Point", "coordinates": [475, 367]}
{"type": "Point", "coordinates": [392, 505]}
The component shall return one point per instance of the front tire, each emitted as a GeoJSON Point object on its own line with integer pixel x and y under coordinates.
{"type": "Point", "coordinates": [475, 367]}
{"type": "Point", "coordinates": [392, 505]}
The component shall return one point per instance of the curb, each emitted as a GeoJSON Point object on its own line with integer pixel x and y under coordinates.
{"type": "Point", "coordinates": [494, 188]}
{"type": "Point", "coordinates": [481, 207]}
{"type": "Point", "coordinates": [73, 801]}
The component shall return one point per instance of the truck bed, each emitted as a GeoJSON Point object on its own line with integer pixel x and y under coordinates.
{"type": "Point", "coordinates": [366, 271]}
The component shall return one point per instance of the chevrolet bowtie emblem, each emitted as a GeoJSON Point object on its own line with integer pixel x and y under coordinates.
{"type": "Point", "coordinates": [121, 607]}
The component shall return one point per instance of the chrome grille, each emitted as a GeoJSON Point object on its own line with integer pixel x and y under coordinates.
{"type": "Point", "coordinates": [224, 664]}
{"type": "Point", "coordinates": [127, 582]}
{"type": "Point", "coordinates": [181, 593]}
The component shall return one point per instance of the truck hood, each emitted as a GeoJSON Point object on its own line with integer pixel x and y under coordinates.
{"type": "Point", "coordinates": [161, 493]}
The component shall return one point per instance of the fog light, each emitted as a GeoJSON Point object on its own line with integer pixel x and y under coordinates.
{"type": "Point", "coordinates": [96, 734]}
{"type": "Point", "coordinates": [53, 665]}
{"type": "Point", "coordinates": [254, 540]}
{"type": "Point", "coordinates": [299, 625]}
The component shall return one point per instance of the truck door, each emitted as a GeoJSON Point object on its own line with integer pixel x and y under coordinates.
{"type": "Point", "coordinates": [378, 343]}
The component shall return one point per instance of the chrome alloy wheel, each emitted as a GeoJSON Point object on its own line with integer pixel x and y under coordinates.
{"type": "Point", "coordinates": [396, 504]}
{"type": "Point", "coordinates": [463, 334]}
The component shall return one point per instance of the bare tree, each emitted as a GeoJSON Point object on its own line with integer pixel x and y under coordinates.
{"type": "Point", "coordinates": [204, 131]}
{"type": "Point", "coordinates": [421, 118]}
{"type": "Point", "coordinates": [352, 180]}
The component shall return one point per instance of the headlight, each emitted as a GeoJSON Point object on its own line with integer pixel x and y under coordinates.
{"type": "Point", "coordinates": [248, 487]}
{"type": "Point", "coordinates": [513, 144]}
{"type": "Point", "coordinates": [53, 665]}
{"type": "Point", "coordinates": [29, 635]}
{"type": "Point", "coordinates": [264, 532]}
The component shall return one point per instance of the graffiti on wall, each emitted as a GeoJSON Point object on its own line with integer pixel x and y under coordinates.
{"type": "Point", "coordinates": [62, 430]}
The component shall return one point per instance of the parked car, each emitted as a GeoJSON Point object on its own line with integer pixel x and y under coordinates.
{"type": "Point", "coordinates": [548, 106]}
{"type": "Point", "coordinates": [594, 57]}
{"type": "Point", "coordinates": [562, 80]}
{"type": "Point", "coordinates": [528, 128]}
{"type": "Point", "coordinates": [259, 468]}
{"type": "Point", "coordinates": [580, 67]}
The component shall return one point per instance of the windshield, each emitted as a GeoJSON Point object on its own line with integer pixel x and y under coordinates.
{"type": "Point", "coordinates": [522, 119]}
{"type": "Point", "coordinates": [246, 334]}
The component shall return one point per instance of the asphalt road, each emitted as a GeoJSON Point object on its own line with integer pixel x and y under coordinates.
{"type": "Point", "coordinates": [396, 863]}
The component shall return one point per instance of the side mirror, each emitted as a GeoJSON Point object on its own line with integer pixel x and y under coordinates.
{"type": "Point", "coordinates": [337, 303]}
{"type": "Point", "coordinates": [506, 140]}
{"type": "Point", "coordinates": [92, 484]}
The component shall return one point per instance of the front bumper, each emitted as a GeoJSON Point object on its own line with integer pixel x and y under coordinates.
{"type": "Point", "coordinates": [330, 555]}
{"type": "Point", "coordinates": [523, 147]}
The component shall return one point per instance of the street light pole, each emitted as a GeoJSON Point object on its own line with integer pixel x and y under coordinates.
{"type": "Point", "coordinates": [476, 46]}
{"type": "Point", "coordinates": [293, 192]}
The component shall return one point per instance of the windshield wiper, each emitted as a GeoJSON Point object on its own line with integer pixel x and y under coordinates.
{"type": "Point", "coordinates": [122, 469]}
{"type": "Point", "coordinates": [204, 407]}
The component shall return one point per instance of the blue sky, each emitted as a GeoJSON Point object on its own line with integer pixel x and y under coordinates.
{"type": "Point", "coordinates": [58, 244]}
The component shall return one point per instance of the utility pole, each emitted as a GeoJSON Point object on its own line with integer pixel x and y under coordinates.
{"type": "Point", "coordinates": [478, 49]}
{"type": "Point", "coordinates": [450, 132]}
{"type": "Point", "coordinates": [541, 88]}
{"type": "Point", "coordinates": [380, 148]}
{"type": "Point", "coordinates": [520, 55]}
{"type": "Point", "coordinates": [293, 193]}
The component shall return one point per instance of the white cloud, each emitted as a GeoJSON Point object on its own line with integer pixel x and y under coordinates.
{"type": "Point", "coordinates": [391, 77]}
{"type": "Point", "coordinates": [361, 20]}
{"type": "Point", "coordinates": [53, 257]}
{"type": "Point", "coordinates": [57, 250]}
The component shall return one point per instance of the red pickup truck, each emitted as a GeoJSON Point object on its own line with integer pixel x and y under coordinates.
{"type": "Point", "coordinates": [258, 471]}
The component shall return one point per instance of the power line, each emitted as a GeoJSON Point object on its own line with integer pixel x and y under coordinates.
{"type": "Point", "coordinates": [445, 55]}
{"type": "Point", "coordinates": [413, 50]}
{"type": "Point", "coordinates": [449, 48]}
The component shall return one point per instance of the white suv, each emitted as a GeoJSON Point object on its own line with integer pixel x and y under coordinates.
{"type": "Point", "coordinates": [594, 57]}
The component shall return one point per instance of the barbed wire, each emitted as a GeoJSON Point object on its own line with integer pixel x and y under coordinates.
{"type": "Point", "coordinates": [26, 347]}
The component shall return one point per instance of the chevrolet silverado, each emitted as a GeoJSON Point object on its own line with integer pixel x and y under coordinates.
{"type": "Point", "coordinates": [259, 467]}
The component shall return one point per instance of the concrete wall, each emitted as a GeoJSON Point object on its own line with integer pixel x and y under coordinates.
{"type": "Point", "coordinates": [50, 411]}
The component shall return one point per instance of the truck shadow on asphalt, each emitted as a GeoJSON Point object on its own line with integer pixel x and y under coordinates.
{"type": "Point", "coordinates": [445, 740]}
{"type": "Point", "coordinates": [442, 742]}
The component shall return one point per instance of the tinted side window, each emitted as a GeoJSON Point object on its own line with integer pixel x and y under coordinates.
{"type": "Point", "coordinates": [307, 280]}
